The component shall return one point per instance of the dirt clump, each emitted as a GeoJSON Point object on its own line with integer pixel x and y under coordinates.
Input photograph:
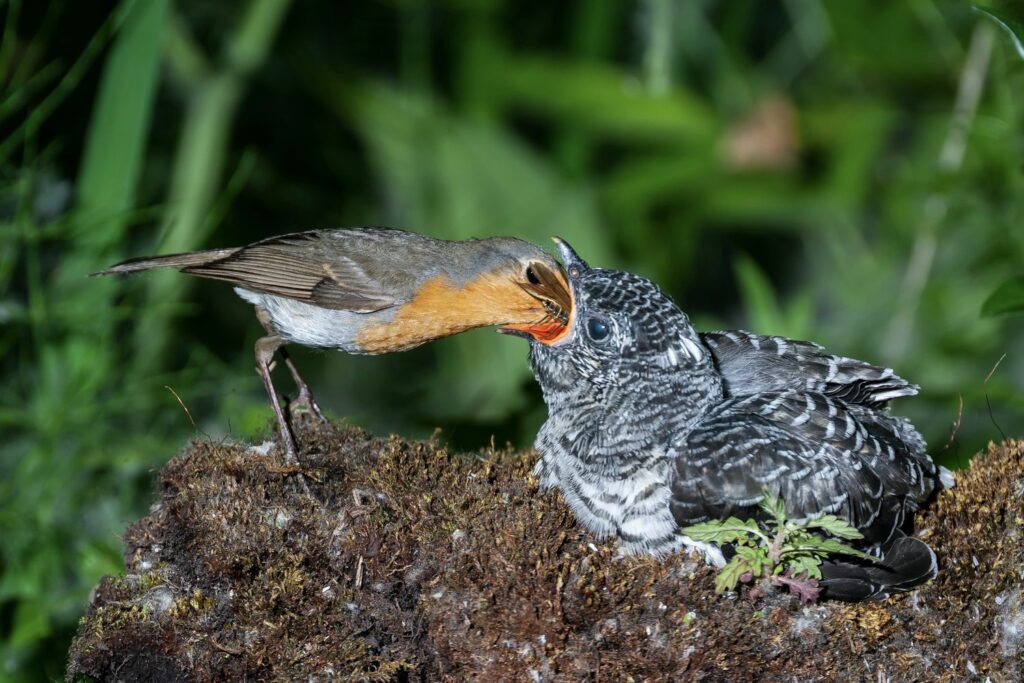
{"type": "Point", "coordinates": [411, 563]}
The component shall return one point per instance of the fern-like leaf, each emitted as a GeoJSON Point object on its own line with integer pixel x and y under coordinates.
{"type": "Point", "coordinates": [729, 575]}
{"type": "Point", "coordinates": [774, 506]}
{"type": "Point", "coordinates": [834, 526]}
{"type": "Point", "coordinates": [826, 546]}
{"type": "Point", "coordinates": [730, 530]}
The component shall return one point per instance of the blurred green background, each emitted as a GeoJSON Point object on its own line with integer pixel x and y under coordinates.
{"type": "Point", "coordinates": [847, 172]}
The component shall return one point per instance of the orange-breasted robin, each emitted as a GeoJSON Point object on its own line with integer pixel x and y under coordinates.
{"type": "Point", "coordinates": [377, 290]}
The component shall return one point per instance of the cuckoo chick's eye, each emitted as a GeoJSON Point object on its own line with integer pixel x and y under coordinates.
{"type": "Point", "coordinates": [531, 276]}
{"type": "Point", "coordinates": [598, 329]}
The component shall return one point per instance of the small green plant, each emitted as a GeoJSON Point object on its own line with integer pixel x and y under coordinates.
{"type": "Point", "coordinates": [779, 551]}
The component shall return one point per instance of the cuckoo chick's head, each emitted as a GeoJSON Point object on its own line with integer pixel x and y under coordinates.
{"type": "Point", "coordinates": [620, 326]}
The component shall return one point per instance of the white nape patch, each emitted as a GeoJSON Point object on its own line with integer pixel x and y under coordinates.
{"type": "Point", "coordinates": [946, 477]}
{"type": "Point", "coordinates": [691, 349]}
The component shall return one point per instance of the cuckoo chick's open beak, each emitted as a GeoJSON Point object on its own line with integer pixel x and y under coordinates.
{"type": "Point", "coordinates": [550, 287]}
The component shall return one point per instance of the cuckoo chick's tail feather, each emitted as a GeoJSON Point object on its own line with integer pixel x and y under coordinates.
{"type": "Point", "coordinates": [904, 563]}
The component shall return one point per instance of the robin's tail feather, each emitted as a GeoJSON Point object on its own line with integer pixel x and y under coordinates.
{"type": "Point", "coordinates": [904, 562]}
{"type": "Point", "coordinates": [189, 260]}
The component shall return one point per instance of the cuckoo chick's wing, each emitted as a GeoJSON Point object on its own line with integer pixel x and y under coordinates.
{"type": "Point", "coordinates": [754, 364]}
{"type": "Point", "coordinates": [819, 454]}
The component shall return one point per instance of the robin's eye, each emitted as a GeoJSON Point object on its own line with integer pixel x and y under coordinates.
{"type": "Point", "coordinates": [598, 329]}
{"type": "Point", "coordinates": [531, 276]}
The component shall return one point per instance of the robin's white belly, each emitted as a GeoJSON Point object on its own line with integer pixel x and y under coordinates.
{"type": "Point", "coordinates": [309, 325]}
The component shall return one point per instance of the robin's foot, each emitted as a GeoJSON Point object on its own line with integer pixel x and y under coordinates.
{"type": "Point", "coordinates": [293, 471]}
{"type": "Point", "coordinates": [305, 396]}
{"type": "Point", "coordinates": [304, 485]}
{"type": "Point", "coordinates": [265, 348]}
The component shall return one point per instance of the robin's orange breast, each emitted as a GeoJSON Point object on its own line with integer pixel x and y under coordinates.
{"type": "Point", "coordinates": [442, 307]}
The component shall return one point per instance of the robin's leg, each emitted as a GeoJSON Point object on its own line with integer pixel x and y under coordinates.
{"type": "Point", "coordinates": [265, 348]}
{"type": "Point", "coordinates": [305, 395]}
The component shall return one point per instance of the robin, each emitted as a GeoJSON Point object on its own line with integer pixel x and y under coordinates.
{"type": "Point", "coordinates": [376, 290]}
{"type": "Point", "coordinates": [653, 427]}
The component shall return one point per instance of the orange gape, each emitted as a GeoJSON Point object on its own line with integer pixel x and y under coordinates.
{"type": "Point", "coordinates": [547, 332]}
{"type": "Point", "coordinates": [551, 329]}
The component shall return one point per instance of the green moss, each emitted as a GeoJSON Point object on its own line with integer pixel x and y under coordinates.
{"type": "Point", "coordinates": [191, 606]}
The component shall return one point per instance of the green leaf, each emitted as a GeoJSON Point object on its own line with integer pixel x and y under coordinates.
{"type": "Point", "coordinates": [827, 546]}
{"type": "Point", "coordinates": [119, 126]}
{"type": "Point", "coordinates": [797, 535]}
{"type": "Point", "coordinates": [834, 527]}
{"type": "Point", "coordinates": [724, 531]}
{"type": "Point", "coordinates": [802, 564]}
{"type": "Point", "coordinates": [1008, 298]}
{"type": "Point", "coordinates": [755, 558]}
{"type": "Point", "coordinates": [760, 301]}
{"type": "Point", "coordinates": [31, 621]}
{"type": "Point", "coordinates": [730, 574]}
{"type": "Point", "coordinates": [774, 506]}
{"type": "Point", "coordinates": [598, 98]}
{"type": "Point", "coordinates": [1011, 22]}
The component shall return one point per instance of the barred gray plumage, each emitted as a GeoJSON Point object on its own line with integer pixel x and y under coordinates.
{"type": "Point", "coordinates": [652, 427]}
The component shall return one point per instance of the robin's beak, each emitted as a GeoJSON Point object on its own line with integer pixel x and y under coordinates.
{"type": "Point", "coordinates": [550, 288]}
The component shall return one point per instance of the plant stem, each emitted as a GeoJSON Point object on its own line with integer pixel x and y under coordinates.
{"type": "Point", "coordinates": [775, 549]}
{"type": "Point", "coordinates": [658, 55]}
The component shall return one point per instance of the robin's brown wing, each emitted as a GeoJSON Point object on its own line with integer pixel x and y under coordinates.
{"type": "Point", "coordinates": [305, 267]}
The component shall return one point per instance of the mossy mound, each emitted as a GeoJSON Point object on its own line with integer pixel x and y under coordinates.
{"type": "Point", "coordinates": [417, 564]}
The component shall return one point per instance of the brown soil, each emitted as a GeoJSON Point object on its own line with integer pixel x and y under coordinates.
{"type": "Point", "coordinates": [417, 564]}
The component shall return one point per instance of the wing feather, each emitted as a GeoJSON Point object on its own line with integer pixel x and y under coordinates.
{"type": "Point", "coordinates": [753, 364]}
{"type": "Point", "coordinates": [820, 455]}
{"type": "Point", "coordinates": [302, 267]}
